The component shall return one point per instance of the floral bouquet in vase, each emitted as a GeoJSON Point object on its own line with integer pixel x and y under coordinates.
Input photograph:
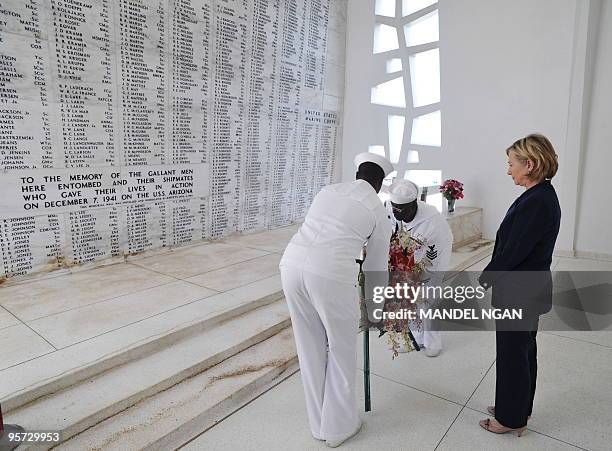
{"type": "Point", "coordinates": [451, 190]}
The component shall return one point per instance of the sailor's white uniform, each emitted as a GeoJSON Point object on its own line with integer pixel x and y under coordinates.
{"type": "Point", "coordinates": [430, 226]}
{"type": "Point", "coordinates": [319, 275]}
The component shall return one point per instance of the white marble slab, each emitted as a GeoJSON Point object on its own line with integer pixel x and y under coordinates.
{"type": "Point", "coordinates": [597, 337]}
{"type": "Point", "coordinates": [582, 264]}
{"type": "Point", "coordinates": [29, 374]}
{"type": "Point", "coordinates": [141, 184]}
{"type": "Point", "coordinates": [279, 417]}
{"type": "Point", "coordinates": [6, 319]}
{"type": "Point", "coordinates": [466, 435]}
{"type": "Point", "coordinates": [48, 296]}
{"type": "Point", "coordinates": [466, 256]}
{"type": "Point", "coordinates": [93, 400]}
{"type": "Point", "coordinates": [459, 212]}
{"type": "Point", "coordinates": [270, 240]}
{"type": "Point", "coordinates": [239, 274]}
{"type": "Point", "coordinates": [337, 15]}
{"type": "Point", "coordinates": [572, 400]}
{"type": "Point", "coordinates": [185, 263]}
{"type": "Point", "coordinates": [465, 224]}
{"type": "Point", "coordinates": [20, 343]}
{"type": "Point", "coordinates": [194, 404]}
{"type": "Point", "coordinates": [336, 48]}
{"type": "Point", "coordinates": [334, 80]}
{"type": "Point", "coordinates": [73, 326]}
{"type": "Point", "coordinates": [480, 265]}
{"type": "Point", "coordinates": [469, 354]}
{"type": "Point", "coordinates": [333, 103]}
{"type": "Point", "coordinates": [167, 112]}
{"type": "Point", "coordinates": [216, 306]}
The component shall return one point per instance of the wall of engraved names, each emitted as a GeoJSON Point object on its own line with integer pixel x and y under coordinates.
{"type": "Point", "coordinates": [129, 125]}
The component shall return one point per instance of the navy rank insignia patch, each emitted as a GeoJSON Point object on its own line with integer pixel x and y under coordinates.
{"type": "Point", "coordinates": [432, 253]}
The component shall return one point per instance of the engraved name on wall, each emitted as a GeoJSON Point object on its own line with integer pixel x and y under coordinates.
{"type": "Point", "coordinates": [129, 125]}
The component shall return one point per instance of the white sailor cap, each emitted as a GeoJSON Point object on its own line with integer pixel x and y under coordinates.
{"type": "Point", "coordinates": [381, 161]}
{"type": "Point", "coordinates": [403, 191]}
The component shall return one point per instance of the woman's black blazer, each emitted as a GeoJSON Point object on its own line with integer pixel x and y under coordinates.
{"type": "Point", "coordinates": [524, 244]}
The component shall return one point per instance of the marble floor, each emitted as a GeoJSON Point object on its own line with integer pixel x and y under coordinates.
{"type": "Point", "coordinates": [64, 320]}
{"type": "Point", "coordinates": [59, 322]}
{"type": "Point", "coordinates": [421, 403]}
{"type": "Point", "coordinates": [56, 323]}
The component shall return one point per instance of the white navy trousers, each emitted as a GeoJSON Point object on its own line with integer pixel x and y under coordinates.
{"type": "Point", "coordinates": [325, 318]}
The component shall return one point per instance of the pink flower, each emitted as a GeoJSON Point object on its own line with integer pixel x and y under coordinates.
{"type": "Point", "coordinates": [452, 189]}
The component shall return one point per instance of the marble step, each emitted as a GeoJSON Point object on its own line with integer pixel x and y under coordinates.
{"type": "Point", "coordinates": [51, 373]}
{"type": "Point", "coordinates": [177, 415]}
{"type": "Point", "coordinates": [469, 254]}
{"type": "Point", "coordinates": [91, 401]}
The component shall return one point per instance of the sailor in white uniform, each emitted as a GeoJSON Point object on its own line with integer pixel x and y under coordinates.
{"type": "Point", "coordinates": [319, 276]}
{"type": "Point", "coordinates": [425, 224]}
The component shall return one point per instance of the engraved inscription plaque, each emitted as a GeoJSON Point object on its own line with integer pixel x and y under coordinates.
{"type": "Point", "coordinates": [133, 125]}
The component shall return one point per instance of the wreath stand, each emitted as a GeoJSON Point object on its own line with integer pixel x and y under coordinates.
{"type": "Point", "coordinates": [364, 327]}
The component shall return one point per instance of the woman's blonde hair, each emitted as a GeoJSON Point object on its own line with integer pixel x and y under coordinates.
{"type": "Point", "coordinates": [540, 151]}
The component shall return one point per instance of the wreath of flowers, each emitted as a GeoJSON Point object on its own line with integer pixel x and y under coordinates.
{"type": "Point", "coordinates": [403, 270]}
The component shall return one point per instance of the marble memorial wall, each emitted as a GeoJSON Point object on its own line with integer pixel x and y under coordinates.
{"type": "Point", "coordinates": [132, 125]}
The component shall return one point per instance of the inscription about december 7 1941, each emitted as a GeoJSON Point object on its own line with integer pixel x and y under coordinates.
{"type": "Point", "coordinates": [46, 191]}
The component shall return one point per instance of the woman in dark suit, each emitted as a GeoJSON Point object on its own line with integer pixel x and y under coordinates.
{"type": "Point", "coordinates": [519, 273]}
